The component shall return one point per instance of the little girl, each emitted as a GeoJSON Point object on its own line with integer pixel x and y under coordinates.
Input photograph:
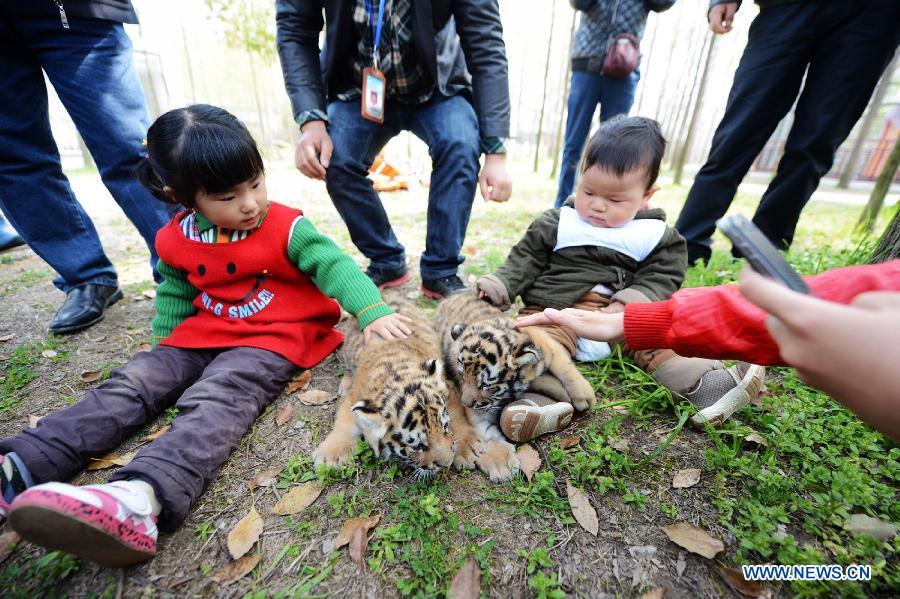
{"type": "Point", "coordinates": [245, 303]}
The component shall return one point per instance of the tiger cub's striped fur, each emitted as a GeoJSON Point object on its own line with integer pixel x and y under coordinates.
{"type": "Point", "coordinates": [395, 397]}
{"type": "Point", "coordinates": [495, 363]}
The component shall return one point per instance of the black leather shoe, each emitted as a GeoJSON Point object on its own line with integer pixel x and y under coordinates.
{"type": "Point", "coordinates": [441, 288]}
{"type": "Point", "coordinates": [388, 278]}
{"type": "Point", "coordinates": [84, 307]}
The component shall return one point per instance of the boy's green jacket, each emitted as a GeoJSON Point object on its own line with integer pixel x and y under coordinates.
{"type": "Point", "coordinates": [559, 279]}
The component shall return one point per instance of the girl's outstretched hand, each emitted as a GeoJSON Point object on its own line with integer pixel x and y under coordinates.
{"type": "Point", "coordinates": [388, 327]}
{"type": "Point", "coordinates": [598, 326]}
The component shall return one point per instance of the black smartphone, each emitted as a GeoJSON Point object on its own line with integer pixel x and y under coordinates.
{"type": "Point", "coordinates": [760, 253]}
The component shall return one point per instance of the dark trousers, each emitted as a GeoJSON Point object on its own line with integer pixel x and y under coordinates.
{"type": "Point", "coordinates": [843, 46]}
{"type": "Point", "coordinates": [450, 128]}
{"type": "Point", "coordinates": [218, 393]}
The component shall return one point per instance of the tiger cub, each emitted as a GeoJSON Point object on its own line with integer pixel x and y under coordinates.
{"type": "Point", "coordinates": [495, 363]}
{"type": "Point", "coordinates": [394, 396]}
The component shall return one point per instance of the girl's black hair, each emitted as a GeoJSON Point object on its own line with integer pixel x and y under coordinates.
{"type": "Point", "coordinates": [623, 144]}
{"type": "Point", "coordinates": [197, 148]}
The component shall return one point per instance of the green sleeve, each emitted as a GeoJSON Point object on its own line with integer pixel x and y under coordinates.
{"type": "Point", "coordinates": [530, 256]}
{"type": "Point", "coordinates": [335, 273]}
{"type": "Point", "coordinates": [174, 301]}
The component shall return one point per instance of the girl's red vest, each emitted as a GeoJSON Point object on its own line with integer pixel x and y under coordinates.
{"type": "Point", "coordinates": [251, 294]}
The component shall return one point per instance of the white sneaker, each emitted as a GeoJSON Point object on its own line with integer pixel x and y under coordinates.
{"type": "Point", "coordinates": [719, 399]}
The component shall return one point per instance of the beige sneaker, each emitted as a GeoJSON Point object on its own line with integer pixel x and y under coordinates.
{"type": "Point", "coordinates": [534, 415]}
{"type": "Point", "coordinates": [721, 393]}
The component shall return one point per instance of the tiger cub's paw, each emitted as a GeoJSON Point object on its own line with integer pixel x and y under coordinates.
{"type": "Point", "coordinates": [467, 453]}
{"type": "Point", "coordinates": [581, 392]}
{"type": "Point", "coordinates": [333, 452]}
{"type": "Point", "coordinates": [499, 461]}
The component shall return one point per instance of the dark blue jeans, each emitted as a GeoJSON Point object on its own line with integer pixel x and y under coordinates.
{"type": "Point", "coordinates": [449, 127]}
{"type": "Point", "coordinates": [846, 45]}
{"type": "Point", "coordinates": [615, 97]}
{"type": "Point", "coordinates": [91, 70]}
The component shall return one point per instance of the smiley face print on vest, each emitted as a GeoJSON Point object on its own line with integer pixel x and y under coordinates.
{"type": "Point", "coordinates": [249, 303]}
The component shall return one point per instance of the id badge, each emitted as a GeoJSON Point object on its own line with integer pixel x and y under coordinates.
{"type": "Point", "coordinates": [373, 89]}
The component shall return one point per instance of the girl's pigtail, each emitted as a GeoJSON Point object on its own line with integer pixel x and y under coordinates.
{"type": "Point", "coordinates": [150, 179]}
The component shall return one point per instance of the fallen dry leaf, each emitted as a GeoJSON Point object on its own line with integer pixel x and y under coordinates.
{"type": "Point", "coordinates": [284, 414]}
{"type": "Point", "coordinates": [244, 534]}
{"type": "Point", "coordinates": [570, 441]}
{"type": "Point", "coordinates": [297, 499]}
{"type": "Point", "coordinates": [359, 541]}
{"type": "Point", "coordinates": [142, 347]}
{"type": "Point", "coordinates": [150, 293]}
{"type": "Point", "coordinates": [316, 398]}
{"type": "Point", "coordinates": [584, 513]}
{"type": "Point", "coordinates": [529, 460]}
{"type": "Point", "coordinates": [619, 444]}
{"type": "Point", "coordinates": [656, 593]}
{"type": "Point", "coordinates": [879, 529]}
{"type": "Point", "coordinates": [90, 376]}
{"type": "Point", "coordinates": [33, 420]}
{"type": "Point", "coordinates": [351, 524]}
{"type": "Point", "coordinates": [48, 353]}
{"type": "Point", "coordinates": [265, 478]}
{"type": "Point", "coordinates": [693, 539]}
{"type": "Point", "coordinates": [686, 478]}
{"type": "Point", "coordinates": [156, 434]}
{"type": "Point", "coordinates": [110, 460]}
{"type": "Point", "coordinates": [300, 382]}
{"type": "Point", "coordinates": [756, 438]}
{"type": "Point", "coordinates": [467, 582]}
{"type": "Point", "coordinates": [7, 337]}
{"type": "Point", "coordinates": [735, 579]}
{"type": "Point", "coordinates": [8, 541]}
{"type": "Point", "coordinates": [236, 570]}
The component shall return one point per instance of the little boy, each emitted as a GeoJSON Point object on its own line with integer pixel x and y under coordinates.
{"type": "Point", "coordinates": [602, 249]}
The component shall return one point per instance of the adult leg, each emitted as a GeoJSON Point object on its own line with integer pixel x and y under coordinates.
{"type": "Point", "coordinates": [856, 44]}
{"type": "Point", "coordinates": [584, 94]}
{"type": "Point", "coordinates": [765, 85]}
{"type": "Point", "coordinates": [34, 192]}
{"type": "Point", "coordinates": [617, 94]}
{"type": "Point", "coordinates": [450, 128]}
{"type": "Point", "coordinates": [64, 442]}
{"type": "Point", "coordinates": [213, 414]}
{"type": "Point", "coordinates": [356, 143]}
{"type": "Point", "coordinates": [90, 67]}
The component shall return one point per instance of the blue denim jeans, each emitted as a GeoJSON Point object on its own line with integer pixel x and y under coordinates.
{"type": "Point", "coordinates": [586, 90]}
{"type": "Point", "coordinates": [91, 70]}
{"type": "Point", "coordinates": [450, 128]}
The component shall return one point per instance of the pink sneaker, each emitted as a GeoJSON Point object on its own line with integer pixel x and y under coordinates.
{"type": "Point", "coordinates": [111, 524]}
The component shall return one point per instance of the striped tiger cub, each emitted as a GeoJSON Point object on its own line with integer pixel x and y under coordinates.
{"type": "Point", "coordinates": [495, 363]}
{"type": "Point", "coordinates": [395, 397]}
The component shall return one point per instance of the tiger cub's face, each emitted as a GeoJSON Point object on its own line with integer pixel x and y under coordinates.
{"type": "Point", "coordinates": [495, 363]}
{"type": "Point", "coordinates": [408, 421]}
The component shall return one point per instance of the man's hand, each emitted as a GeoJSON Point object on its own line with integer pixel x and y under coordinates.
{"type": "Point", "coordinates": [494, 180]}
{"type": "Point", "coordinates": [388, 327]}
{"type": "Point", "coordinates": [721, 17]}
{"type": "Point", "coordinates": [586, 323]}
{"type": "Point", "coordinates": [314, 149]}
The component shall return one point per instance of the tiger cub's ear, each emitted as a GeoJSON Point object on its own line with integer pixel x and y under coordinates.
{"type": "Point", "coordinates": [434, 368]}
{"type": "Point", "coordinates": [369, 420]}
{"type": "Point", "coordinates": [526, 354]}
{"type": "Point", "coordinates": [457, 330]}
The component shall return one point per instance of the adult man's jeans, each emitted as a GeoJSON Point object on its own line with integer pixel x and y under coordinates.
{"type": "Point", "coordinates": [91, 70]}
{"type": "Point", "coordinates": [615, 97]}
{"type": "Point", "coordinates": [449, 126]}
{"type": "Point", "coordinates": [846, 44]}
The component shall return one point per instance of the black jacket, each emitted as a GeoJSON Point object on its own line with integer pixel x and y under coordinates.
{"type": "Point", "coordinates": [474, 62]}
{"type": "Point", "coordinates": [120, 11]}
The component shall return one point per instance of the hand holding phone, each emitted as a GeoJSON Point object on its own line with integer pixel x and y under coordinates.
{"type": "Point", "coordinates": [760, 253]}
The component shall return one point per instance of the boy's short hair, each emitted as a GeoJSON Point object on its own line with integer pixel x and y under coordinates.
{"type": "Point", "coordinates": [623, 144]}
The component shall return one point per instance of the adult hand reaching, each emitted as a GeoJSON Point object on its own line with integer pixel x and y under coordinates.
{"type": "Point", "coordinates": [599, 326]}
{"type": "Point", "coordinates": [313, 153]}
{"type": "Point", "coordinates": [494, 180]}
{"type": "Point", "coordinates": [721, 17]}
{"type": "Point", "coordinates": [848, 351]}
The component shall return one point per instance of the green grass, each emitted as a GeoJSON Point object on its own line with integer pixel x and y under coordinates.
{"type": "Point", "coordinates": [20, 368]}
{"type": "Point", "coordinates": [40, 577]}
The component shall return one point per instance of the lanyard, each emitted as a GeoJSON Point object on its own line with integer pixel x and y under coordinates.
{"type": "Point", "coordinates": [376, 28]}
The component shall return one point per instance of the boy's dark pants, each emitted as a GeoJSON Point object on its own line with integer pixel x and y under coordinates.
{"type": "Point", "coordinates": [219, 394]}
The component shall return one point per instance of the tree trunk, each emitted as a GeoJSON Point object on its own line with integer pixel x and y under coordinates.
{"type": "Point", "coordinates": [889, 245]}
{"type": "Point", "coordinates": [685, 92]}
{"type": "Point", "coordinates": [681, 153]}
{"type": "Point", "coordinates": [565, 96]}
{"type": "Point", "coordinates": [537, 143]}
{"type": "Point", "coordinates": [882, 185]}
{"type": "Point", "coordinates": [866, 126]}
{"type": "Point", "coordinates": [645, 63]}
{"type": "Point", "coordinates": [665, 82]}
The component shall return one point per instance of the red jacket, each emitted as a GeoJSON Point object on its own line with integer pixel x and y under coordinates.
{"type": "Point", "coordinates": [718, 322]}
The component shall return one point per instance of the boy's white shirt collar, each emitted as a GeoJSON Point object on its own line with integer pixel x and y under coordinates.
{"type": "Point", "coordinates": [637, 239]}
